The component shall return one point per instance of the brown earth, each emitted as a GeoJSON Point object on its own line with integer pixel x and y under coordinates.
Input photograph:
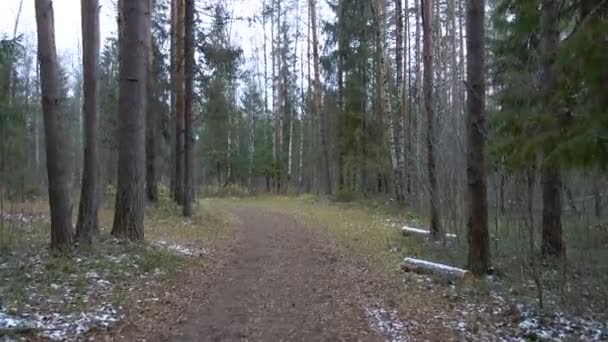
{"type": "Point", "coordinates": [275, 280]}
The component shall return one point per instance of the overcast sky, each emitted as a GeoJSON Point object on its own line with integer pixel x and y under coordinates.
{"type": "Point", "coordinates": [68, 25]}
{"type": "Point", "coordinates": [67, 21]}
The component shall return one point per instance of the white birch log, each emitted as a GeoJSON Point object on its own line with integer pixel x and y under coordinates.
{"type": "Point", "coordinates": [409, 231]}
{"type": "Point", "coordinates": [432, 268]}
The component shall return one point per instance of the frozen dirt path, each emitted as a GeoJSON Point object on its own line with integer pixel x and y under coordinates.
{"type": "Point", "coordinates": [281, 282]}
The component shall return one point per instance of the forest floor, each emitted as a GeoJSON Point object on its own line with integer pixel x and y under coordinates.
{"type": "Point", "coordinates": [302, 269]}
{"type": "Point", "coordinates": [305, 269]}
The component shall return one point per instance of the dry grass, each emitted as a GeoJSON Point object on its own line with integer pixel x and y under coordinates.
{"type": "Point", "coordinates": [34, 280]}
{"type": "Point", "coordinates": [362, 228]}
{"type": "Point", "coordinates": [372, 230]}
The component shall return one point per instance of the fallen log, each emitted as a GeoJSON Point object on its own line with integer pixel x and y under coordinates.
{"type": "Point", "coordinates": [432, 268]}
{"type": "Point", "coordinates": [409, 231]}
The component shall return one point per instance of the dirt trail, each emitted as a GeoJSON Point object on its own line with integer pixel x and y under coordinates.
{"type": "Point", "coordinates": [281, 282]}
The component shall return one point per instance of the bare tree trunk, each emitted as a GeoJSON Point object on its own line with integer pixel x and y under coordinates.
{"type": "Point", "coordinates": [552, 243]}
{"type": "Point", "coordinates": [179, 101]}
{"type": "Point", "coordinates": [152, 118]}
{"type": "Point", "coordinates": [173, 68]}
{"type": "Point", "coordinates": [427, 15]}
{"type": "Point", "coordinates": [87, 227]}
{"type": "Point", "coordinates": [189, 95]}
{"type": "Point", "coordinates": [399, 135]}
{"type": "Point", "coordinates": [130, 203]}
{"type": "Point", "coordinates": [280, 98]}
{"type": "Point", "coordinates": [317, 93]}
{"type": "Point", "coordinates": [479, 239]}
{"type": "Point", "coordinates": [56, 139]}
{"type": "Point", "coordinates": [275, 89]}
{"type": "Point", "coordinates": [406, 98]}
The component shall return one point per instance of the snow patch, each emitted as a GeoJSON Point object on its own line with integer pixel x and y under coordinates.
{"type": "Point", "coordinates": [190, 251]}
{"type": "Point", "coordinates": [24, 218]}
{"type": "Point", "coordinates": [558, 327]}
{"type": "Point", "coordinates": [58, 327]}
{"type": "Point", "coordinates": [387, 323]}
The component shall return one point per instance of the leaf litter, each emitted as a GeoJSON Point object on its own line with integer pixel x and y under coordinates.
{"type": "Point", "coordinates": [61, 298]}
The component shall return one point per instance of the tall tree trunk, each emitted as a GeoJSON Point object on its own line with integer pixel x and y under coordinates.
{"type": "Point", "coordinates": [317, 94]}
{"type": "Point", "coordinates": [417, 122]}
{"type": "Point", "coordinates": [401, 116]}
{"type": "Point", "coordinates": [385, 94]}
{"type": "Point", "coordinates": [281, 68]}
{"type": "Point", "coordinates": [87, 226]}
{"type": "Point", "coordinates": [179, 118]}
{"type": "Point", "coordinates": [189, 96]}
{"type": "Point", "coordinates": [275, 89]}
{"type": "Point", "coordinates": [408, 120]}
{"type": "Point", "coordinates": [552, 243]}
{"type": "Point", "coordinates": [152, 118]}
{"type": "Point", "coordinates": [55, 136]}
{"type": "Point", "coordinates": [427, 32]}
{"type": "Point", "coordinates": [173, 68]}
{"type": "Point", "coordinates": [130, 203]}
{"type": "Point", "coordinates": [477, 208]}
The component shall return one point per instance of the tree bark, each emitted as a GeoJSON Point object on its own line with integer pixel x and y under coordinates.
{"type": "Point", "coordinates": [427, 15]}
{"type": "Point", "coordinates": [317, 93]}
{"type": "Point", "coordinates": [552, 243]}
{"type": "Point", "coordinates": [152, 117]}
{"type": "Point", "coordinates": [401, 116]}
{"type": "Point", "coordinates": [179, 77]}
{"type": "Point", "coordinates": [87, 227]}
{"type": "Point", "coordinates": [130, 203]}
{"type": "Point", "coordinates": [56, 139]}
{"type": "Point", "coordinates": [173, 70]}
{"type": "Point", "coordinates": [379, 7]}
{"type": "Point", "coordinates": [189, 95]}
{"type": "Point", "coordinates": [477, 208]}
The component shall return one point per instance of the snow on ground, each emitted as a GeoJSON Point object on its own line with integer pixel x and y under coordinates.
{"type": "Point", "coordinates": [387, 323]}
{"type": "Point", "coordinates": [516, 322]}
{"type": "Point", "coordinates": [499, 317]}
{"type": "Point", "coordinates": [558, 327]}
{"type": "Point", "coordinates": [61, 327]}
{"type": "Point", "coordinates": [185, 250]}
{"type": "Point", "coordinates": [24, 217]}
{"type": "Point", "coordinates": [62, 299]}
{"type": "Point", "coordinates": [44, 313]}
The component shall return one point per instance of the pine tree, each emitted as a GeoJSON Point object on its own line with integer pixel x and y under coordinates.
{"type": "Point", "coordinates": [130, 200]}
{"type": "Point", "coordinates": [427, 36]}
{"type": "Point", "coordinates": [87, 226]}
{"type": "Point", "coordinates": [55, 137]}
{"type": "Point", "coordinates": [477, 207]}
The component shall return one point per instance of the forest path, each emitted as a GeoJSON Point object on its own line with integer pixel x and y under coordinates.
{"type": "Point", "coordinates": [281, 281]}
